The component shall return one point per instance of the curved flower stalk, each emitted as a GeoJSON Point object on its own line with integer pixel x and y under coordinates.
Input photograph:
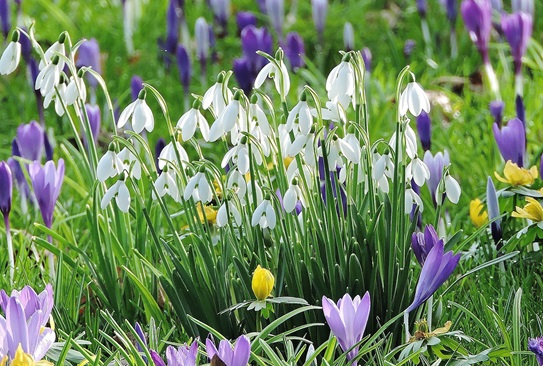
{"type": "Point", "coordinates": [6, 192]}
{"type": "Point", "coordinates": [237, 356]}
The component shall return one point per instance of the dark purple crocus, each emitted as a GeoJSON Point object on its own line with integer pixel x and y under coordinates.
{"type": "Point", "coordinates": [511, 140]}
{"type": "Point", "coordinates": [517, 28]}
{"type": "Point", "coordinates": [319, 10]}
{"type": "Point", "coordinates": [519, 106]}
{"type": "Point", "coordinates": [184, 66]}
{"type": "Point", "coordinates": [172, 27]}
{"type": "Point", "coordinates": [496, 110]}
{"type": "Point", "coordinates": [422, 8]}
{"type": "Point", "coordinates": [160, 145]}
{"type": "Point", "coordinates": [6, 189]}
{"type": "Point", "coordinates": [348, 319]}
{"type": "Point", "coordinates": [294, 50]}
{"type": "Point", "coordinates": [237, 356]}
{"type": "Point", "coordinates": [367, 57]}
{"type": "Point", "coordinates": [244, 19]}
{"type": "Point", "coordinates": [136, 85]}
{"type": "Point", "coordinates": [493, 211]}
{"type": "Point", "coordinates": [261, 6]}
{"type": "Point", "coordinates": [5, 17]}
{"type": "Point", "coordinates": [47, 182]}
{"type": "Point", "coordinates": [424, 128]}
{"type": "Point", "coordinates": [47, 147]}
{"type": "Point", "coordinates": [451, 9]}
{"type": "Point", "coordinates": [89, 55]}
{"type": "Point", "coordinates": [435, 164]}
{"type": "Point", "coordinates": [437, 268]}
{"type": "Point", "coordinates": [256, 39]}
{"type": "Point", "coordinates": [536, 346]}
{"type": "Point", "coordinates": [30, 140]}
{"type": "Point", "coordinates": [477, 16]}
{"type": "Point", "coordinates": [243, 73]}
{"type": "Point", "coordinates": [95, 119]}
{"type": "Point", "coordinates": [422, 243]}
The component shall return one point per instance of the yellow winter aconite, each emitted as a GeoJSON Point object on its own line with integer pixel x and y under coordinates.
{"type": "Point", "coordinates": [516, 176]}
{"type": "Point", "coordinates": [263, 282]}
{"type": "Point", "coordinates": [532, 211]}
{"type": "Point", "coordinates": [478, 216]}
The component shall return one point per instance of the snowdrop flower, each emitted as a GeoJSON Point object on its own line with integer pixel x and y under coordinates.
{"type": "Point", "coordinates": [109, 165]}
{"type": "Point", "coordinates": [411, 144]}
{"type": "Point", "coordinates": [340, 82]}
{"type": "Point", "coordinates": [198, 187]}
{"type": "Point", "coordinates": [131, 164]}
{"type": "Point", "coordinates": [188, 122]}
{"type": "Point", "coordinates": [452, 188]}
{"type": "Point", "coordinates": [166, 183]}
{"type": "Point", "coordinates": [236, 183]}
{"type": "Point", "coordinates": [168, 154]}
{"type": "Point", "coordinates": [53, 51]}
{"type": "Point", "coordinates": [218, 96]}
{"type": "Point", "coordinates": [228, 210]}
{"type": "Point", "coordinates": [303, 143]}
{"type": "Point", "coordinates": [292, 196]}
{"type": "Point", "coordinates": [264, 215]}
{"type": "Point", "coordinates": [350, 148]}
{"type": "Point", "coordinates": [139, 113]}
{"type": "Point", "coordinates": [11, 56]}
{"type": "Point", "coordinates": [414, 99]}
{"type": "Point", "coordinates": [412, 198]}
{"type": "Point", "coordinates": [278, 72]}
{"type": "Point", "coordinates": [418, 171]}
{"type": "Point", "coordinates": [49, 77]}
{"type": "Point", "coordinates": [239, 155]}
{"type": "Point", "coordinates": [383, 168]}
{"type": "Point", "coordinates": [120, 192]}
{"type": "Point", "coordinates": [76, 89]}
{"type": "Point", "coordinates": [230, 116]}
{"type": "Point", "coordinates": [334, 111]}
{"type": "Point", "coordinates": [302, 113]}
{"type": "Point", "coordinates": [59, 96]}
{"type": "Point", "coordinates": [257, 117]}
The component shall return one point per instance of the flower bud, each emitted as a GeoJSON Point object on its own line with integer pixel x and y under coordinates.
{"type": "Point", "coordinates": [262, 283]}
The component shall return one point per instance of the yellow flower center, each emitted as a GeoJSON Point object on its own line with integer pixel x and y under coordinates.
{"type": "Point", "coordinates": [262, 283]}
{"type": "Point", "coordinates": [478, 216]}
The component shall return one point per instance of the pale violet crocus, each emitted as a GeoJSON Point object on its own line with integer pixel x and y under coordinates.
{"type": "Point", "coordinates": [120, 192]}
{"type": "Point", "coordinates": [31, 301]}
{"type": "Point", "coordinates": [139, 114]}
{"type": "Point", "coordinates": [201, 33]}
{"type": "Point", "coordinates": [47, 182]}
{"type": "Point", "coordinates": [435, 163]}
{"type": "Point", "coordinates": [11, 56]}
{"type": "Point", "coordinates": [414, 99]}
{"type": "Point", "coordinates": [230, 356]}
{"type": "Point", "coordinates": [199, 188]}
{"type": "Point", "coordinates": [340, 82]}
{"type": "Point", "coordinates": [348, 319]}
{"type": "Point", "coordinates": [191, 120]}
{"type": "Point", "coordinates": [276, 11]}
{"type": "Point", "coordinates": [319, 11]}
{"type": "Point", "coordinates": [264, 215]}
{"type": "Point", "coordinates": [348, 37]}
{"type": "Point", "coordinates": [278, 72]}
{"type": "Point", "coordinates": [184, 355]}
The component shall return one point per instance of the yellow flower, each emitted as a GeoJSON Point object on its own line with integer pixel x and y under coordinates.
{"type": "Point", "coordinates": [210, 214]}
{"type": "Point", "coordinates": [516, 176]}
{"type": "Point", "coordinates": [263, 282]}
{"type": "Point", "coordinates": [532, 211]}
{"type": "Point", "coordinates": [24, 359]}
{"type": "Point", "coordinates": [476, 213]}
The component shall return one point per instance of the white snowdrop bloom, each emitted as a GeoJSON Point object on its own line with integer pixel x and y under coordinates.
{"type": "Point", "coordinates": [350, 148]}
{"type": "Point", "coordinates": [257, 118]}
{"type": "Point", "coordinates": [48, 78]}
{"type": "Point", "coordinates": [109, 166]}
{"type": "Point", "coordinates": [302, 143]}
{"type": "Point", "coordinates": [11, 57]}
{"type": "Point", "coordinates": [293, 171]}
{"type": "Point", "coordinates": [305, 118]}
{"type": "Point", "coordinates": [239, 155]}
{"type": "Point", "coordinates": [284, 139]}
{"type": "Point", "coordinates": [58, 96]}
{"type": "Point", "coordinates": [166, 183]}
{"type": "Point", "coordinates": [411, 144]}
{"type": "Point", "coordinates": [279, 75]}
{"type": "Point", "coordinates": [131, 164]}
{"type": "Point", "coordinates": [292, 196]}
{"type": "Point", "coordinates": [334, 157]}
{"type": "Point", "coordinates": [452, 189]}
{"type": "Point", "coordinates": [264, 215]}
{"type": "Point", "coordinates": [414, 99]}
{"type": "Point", "coordinates": [140, 115]}
{"type": "Point", "coordinates": [334, 111]}
{"type": "Point", "coordinates": [227, 211]}
{"type": "Point", "coordinates": [188, 123]}
{"type": "Point", "coordinates": [412, 198]}
{"type": "Point", "coordinates": [236, 182]}
{"type": "Point", "coordinates": [340, 82]}
{"type": "Point", "coordinates": [418, 171]}
{"type": "Point", "coordinates": [55, 49]}
{"type": "Point", "coordinates": [253, 186]}
{"type": "Point", "coordinates": [227, 120]}
{"type": "Point", "coordinates": [198, 187]}
{"type": "Point", "coordinates": [76, 89]}
{"type": "Point", "coordinates": [218, 97]}
{"type": "Point", "coordinates": [168, 155]}
{"type": "Point", "coordinates": [383, 168]}
{"type": "Point", "coordinates": [121, 194]}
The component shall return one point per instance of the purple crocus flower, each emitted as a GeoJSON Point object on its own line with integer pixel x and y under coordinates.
{"type": "Point", "coordinates": [252, 40]}
{"type": "Point", "coordinates": [422, 243]}
{"type": "Point", "coordinates": [5, 17]}
{"type": "Point", "coordinates": [244, 19]}
{"type": "Point", "coordinates": [221, 10]}
{"type": "Point", "coordinates": [536, 346]}
{"type": "Point", "coordinates": [30, 140]}
{"type": "Point", "coordinates": [511, 140]}
{"type": "Point", "coordinates": [89, 55]}
{"type": "Point", "coordinates": [47, 182]}
{"type": "Point", "coordinates": [294, 50]}
{"type": "Point", "coordinates": [212, 44]}
{"type": "Point", "coordinates": [160, 145]}
{"type": "Point", "coordinates": [20, 180]}
{"type": "Point", "coordinates": [26, 46]}
{"type": "Point", "coordinates": [141, 336]}
{"type": "Point", "coordinates": [451, 10]}
{"type": "Point", "coordinates": [496, 110]}
{"type": "Point", "coordinates": [262, 6]}
{"type": "Point", "coordinates": [237, 356]}
{"type": "Point", "coordinates": [347, 320]}
{"type": "Point", "coordinates": [276, 11]}
{"type": "Point", "coordinates": [437, 268]}
{"type": "Point", "coordinates": [477, 16]}
{"type": "Point", "coordinates": [517, 28]}
{"type": "Point", "coordinates": [319, 10]}
{"type": "Point", "coordinates": [201, 33]}
{"type": "Point", "coordinates": [367, 57]}
{"type": "Point", "coordinates": [424, 128]}
{"type": "Point", "coordinates": [30, 301]}
{"type": "Point", "coordinates": [242, 71]}
{"type": "Point", "coordinates": [185, 355]}
{"type": "Point", "coordinates": [493, 211]}
{"type": "Point", "coordinates": [47, 147]}
{"type": "Point", "coordinates": [408, 47]}
{"type": "Point", "coordinates": [172, 27]}
{"type": "Point", "coordinates": [6, 189]}
{"type": "Point", "coordinates": [348, 37]}
{"type": "Point", "coordinates": [95, 119]}
{"type": "Point", "coordinates": [422, 8]}
{"type": "Point", "coordinates": [183, 64]}
{"type": "Point", "coordinates": [136, 85]}
{"type": "Point", "coordinates": [435, 164]}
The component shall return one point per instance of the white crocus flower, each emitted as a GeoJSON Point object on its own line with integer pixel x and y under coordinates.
{"type": "Point", "coordinates": [292, 196]}
{"type": "Point", "coordinates": [278, 74]}
{"type": "Point", "coordinates": [218, 97]}
{"type": "Point", "coordinates": [414, 99]}
{"type": "Point", "coordinates": [109, 166]}
{"type": "Point", "coordinates": [418, 171]}
{"type": "Point", "coordinates": [198, 187]}
{"type": "Point", "coordinates": [340, 83]}
{"type": "Point", "coordinates": [11, 56]}
{"type": "Point", "coordinates": [188, 123]}
{"type": "Point", "coordinates": [131, 164]}
{"type": "Point", "coordinates": [264, 215]}
{"type": "Point", "coordinates": [140, 115]}
{"type": "Point", "coordinates": [76, 89]}
{"type": "Point", "coordinates": [452, 189]}
{"type": "Point", "coordinates": [412, 198]}
{"type": "Point", "coordinates": [228, 210]}
{"type": "Point", "coordinates": [168, 155]}
{"type": "Point", "coordinates": [121, 194]}
{"type": "Point", "coordinates": [227, 120]}
{"type": "Point", "coordinates": [166, 183]}
{"type": "Point", "coordinates": [305, 119]}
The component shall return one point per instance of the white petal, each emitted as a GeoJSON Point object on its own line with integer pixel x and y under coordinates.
{"type": "Point", "coordinates": [191, 185]}
{"type": "Point", "coordinates": [257, 215]}
{"type": "Point", "coordinates": [452, 188]}
{"type": "Point", "coordinates": [263, 74]}
{"type": "Point", "coordinates": [110, 193]}
{"type": "Point", "coordinates": [125, 115]}
{"type": "Point", "coordinates": [123, 197]}
{"type": "Point", "coordinates": [290, 199]}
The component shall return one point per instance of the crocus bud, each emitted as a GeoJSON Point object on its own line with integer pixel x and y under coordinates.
{"type": "Point", "coordinates": [201, 32]}
{"type": "Point", "coordinates": [276, 12]}
{"type": "Point", "coordinates": [262, 6]}
{"type": "Point", "coordinates": [517, 28]}
{"type": "Point", "coordinates": [496, 110]}
{"type": "Point", "coordinates": [95, 118]}
{"type": "Point", "coordinates": [526, 6]}
{"type": "Point", "coordinates": [244, 19]}
{"type": "Point", "coordinates": [136, 85]}
{"type": "Point", "coordinates": [5, 17]}
{"type": "Point", "coordinates": [493, 211]}
{"type": "Point", "coordinates": [319, 10]}
{"type": "Point", "coordinates": [519, 106]}
{"type": "Point", "coordinates": [511, 140]}
{"type": "Point", "coordinates": [253, 40]}
{"type": "Point", "coordinates": [6, 187]}
{"type": "Point", "coordinates": [424, 128]}
{"type": "Point", "coordinates": [367, 57]}
{"type": "Point", "coordinates": [172, 27]}
{"type": "Point", "coordinates": [348, 37]}
{"type": "Point", "coordinates": [221, 10]}
{"type": "Point", "coordinates": [422, 7]}
{"type": "Point", "coordinates": [477, 16]}
{"type": "Point", "coordinates": [183, 64]}
{"type": "Point", "coordinates": [47, 182]}
{"type": "Point", "coordinates": [30, 140]}
{"type": "Point", "coordinates": [89, 55]}
{"type": "Point", "coordinates": [408, 47]}
{"type": "Point", "coordinates": [242, 71]}
{"type": "Point", "coordinates": [422, 243]}
{"type": "Point", "coordinates": [451, 10]}
{"type": "Point", "coordinates": [294, 50]}
{"type": "Point", "coordinates": [262, 283]}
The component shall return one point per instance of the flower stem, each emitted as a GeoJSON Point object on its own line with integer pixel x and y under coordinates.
{"type": "Point", "coordinates": [491, 75]}
{"type": "Point", "coordinates": [10, 250]}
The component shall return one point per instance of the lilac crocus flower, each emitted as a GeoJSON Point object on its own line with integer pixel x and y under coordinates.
{"type": "Point", "coordinates": [424, 128]}
{"type": "Point", "coordinates": [6, 189]}
{"type": "Point", "coordinates": [184, 66]}
{"type": "Point", "coordinates": [244, 19]}
{"type": "Point", "coordinates": [237, 356]}
{"type": "Point", "coordinates": [408, 47]}
{"type": "Point", "coordinates": [526, 6]}
{"type": "Point", "coordinates": [89, 55]}
{"type": "Point", "coordinates": [5, 17]}
{"type": "Point", "coordinates": [185, 355]}
{"type": "Point", "coordinates": [437, 268]}
{"type": "Point", "coordinates": [517, 28]}
{"type": "Point", "coordinates": [435, 164]}
{"type": "Point", "coordinates": [319, 10]}
{"type": "Point", "coordinates": [422, 8]}
{"type": "Point", "coordinates": [242, 72]}
{"type": "Point", "coordinates": [30, 301]}
{"type": "Point", "coordinates": [95, 120]}
{"type": "Point", "coordinates": [30, 140]}
{"type": "Point", "coordinates": [136, 85]}
{"type": "Point", "coordinates": [367, 57]}
{"type": "Point", "coordinates": [201, 33]}
{"type": "Point", "coordinates": [261, 6]}
{"type": "Point", "coordinates": [253, 40]}
{"type": "Point", "coordinates": [348, 37]}
{"type": "Point", "coordinates": [276, 11]}
{"type": "Point", "coordinates": [172, 27]}
{"type": "Point", "coordinates": [536, 346]}
{"type": "Point", "coordinates": [47, 182]}
{"type": "Point", "coordinates": [496, 110]}
{"type": "Point", "coordinates": [493, 211]}
{"type": "Point", "coordinates": [221, 10]}
{"type": "Point", "coordinates": [511, 140]}
{"type": "Point", "coordinates": [422, 243]}
{"type": "Point", "coordinates": [294, 50]}
{"type": "Point", "coordinates": [348, 320]}
{"type": "Point", "coordinates": [477, 16]}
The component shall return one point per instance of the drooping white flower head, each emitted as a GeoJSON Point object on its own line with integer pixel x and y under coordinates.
{"type": "Point", "coordinates": [131, 164]}
{"type": "Point", "coordinates": [12, 55]}
{"type": "Point", "coordinates": [57, 48]}
{"type": "Point", "coordinates": [264, 215]}
{"type": "Point", "coordinates": [121, 194]}
{"type": "Point", "coordinates": [236, 183]}
{"type": "Point", "coordinates": [341, 81]}
{"type": "Point", "coordinates": [168, 155]}
{"type": "Point", "coordinates": [218, 96]}
{"type": "Point", "coordinates": [109, 165]}
{"type": "Point", "coordinates": [233, 114]}
{"type": "Point", "coordinates": [278, 72]}
{"type": "Point", "coordinates": [292, 196]}
{"type": "Point", "coordinates": [139, 114]}
{"type": "Point", "coordinates": [452, 189]}
{"type": "Point", "coordinates": [198, 187]}
{"type": "Point", "coordinates": [167, 184]}
{"type": "Point", "coordinates": [414, 99]}
{"type": "Point", "coordinates": [301, 113]}
{"type": "Point", "coordinates": [228, 211]}
{"type": "Point", "coordinates": [59, 97]}
{"type": "Point", "coordinates": [412, 198]}
{"type": "Point", "coordinates": [76, 89]}
{"type": "Point", "coordinates": [418, 171]}
{"type": "Point", "coordinates": [192, 119]}
{"type": "Point", "coordinates": [49, 77]}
